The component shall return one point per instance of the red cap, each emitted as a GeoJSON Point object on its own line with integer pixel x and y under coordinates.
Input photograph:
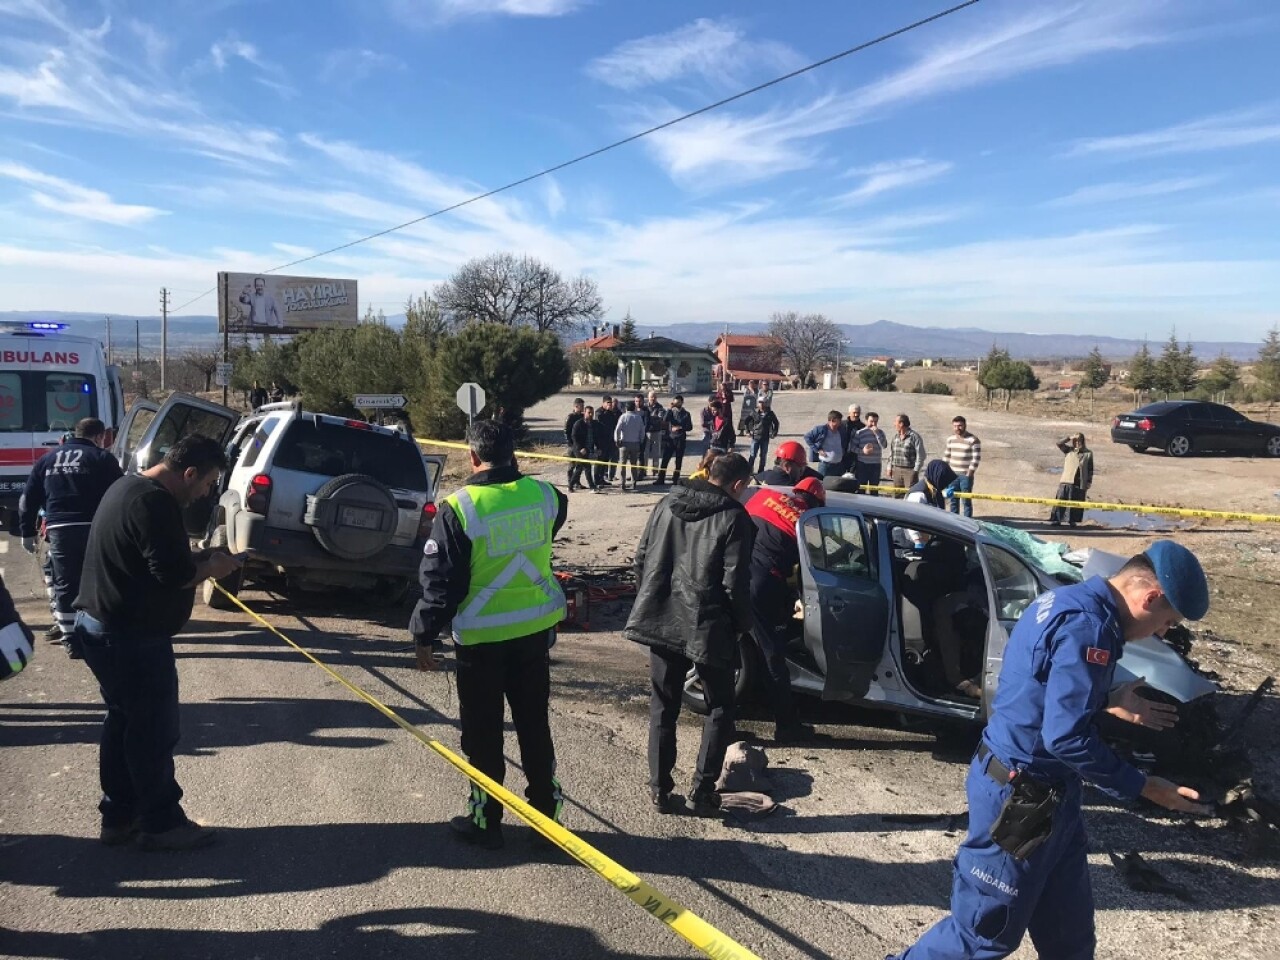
{"type": "Point", "coordinates": [790, 450]}
{"type": "Point", "coordinates": [812, 487]}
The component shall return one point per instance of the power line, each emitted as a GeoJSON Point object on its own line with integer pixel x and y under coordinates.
{"type": "Point", "coordinates": [617, 143]}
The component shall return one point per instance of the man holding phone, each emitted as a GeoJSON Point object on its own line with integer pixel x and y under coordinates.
{"type": "Point", "coordinates": [136, 594]}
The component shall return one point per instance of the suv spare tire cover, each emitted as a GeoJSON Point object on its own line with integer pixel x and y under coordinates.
{"type": "Point", "coordinates": [360, 491]}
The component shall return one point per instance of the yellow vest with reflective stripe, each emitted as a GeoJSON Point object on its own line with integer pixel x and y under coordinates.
{"type": "Point", "coordinates": [513, 592]}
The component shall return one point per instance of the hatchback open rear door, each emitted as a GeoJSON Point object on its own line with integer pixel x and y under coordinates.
{"type": "Point", "coordinates": [183, 415]}
{"type": "Point", "coordinates": [846, 610]}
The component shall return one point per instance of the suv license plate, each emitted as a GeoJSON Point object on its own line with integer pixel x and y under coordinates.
{"type": "Point", "coordinates": [358, 517]}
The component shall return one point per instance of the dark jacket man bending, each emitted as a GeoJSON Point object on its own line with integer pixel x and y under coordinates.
{"type": "Point", "coordinates": [693, 602]}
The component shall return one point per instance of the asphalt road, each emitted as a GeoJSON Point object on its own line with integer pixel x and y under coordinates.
{"type": "Point", "coordinates": [332, 836]}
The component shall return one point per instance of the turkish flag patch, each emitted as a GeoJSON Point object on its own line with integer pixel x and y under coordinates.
{"type": "Point", "coordinates": [1097, 655]}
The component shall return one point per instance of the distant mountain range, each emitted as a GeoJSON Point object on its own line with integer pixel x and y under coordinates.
{"type": "Point", "coordinates": [882, 338]}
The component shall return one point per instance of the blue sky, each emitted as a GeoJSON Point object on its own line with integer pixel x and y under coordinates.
{"type": "Point", "coordinates": [1098, 166]}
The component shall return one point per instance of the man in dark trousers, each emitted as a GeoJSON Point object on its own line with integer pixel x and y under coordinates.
{"type": "Point", "coordinates": [487, 568]}
{"type": "Point", "coordinates": [136, 594]}
{"type": "Point", "coordinates": [1024, 865]}
{"type": "Point", "coordinates": [585, 440]}
{"type": "Point", "coordinates": [606, 446]}
{"type": "Point", "coordinates": [763, 429]}
{"type": "Point", "coordinates": [773, 560]}
{"type": "Point", "coordinates": [68, 483]}
{"type": "Point", "coordinates": [257, 396]}
{"type": "Point", "coordinates": [693, 602]}
{"type": "Point", "coordinates": [678, 423]}
{"type": "Point", "coordinates": [569, 423]}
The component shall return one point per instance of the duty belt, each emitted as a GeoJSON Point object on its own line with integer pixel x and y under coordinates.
{"type": "Point", "coordinates": [993, 768]}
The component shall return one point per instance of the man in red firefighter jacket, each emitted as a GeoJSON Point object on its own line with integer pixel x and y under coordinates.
{"type": "Point", "coordinates": [773, 560]}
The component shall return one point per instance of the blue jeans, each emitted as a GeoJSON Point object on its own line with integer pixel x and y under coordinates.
{"type": "Point", "coordinates": [868, 475]}
{"type": "Point", "coordinates": [66, 561]}
{"type": "Point", "coordinates": [760, 449]}
{"type": "Point", "coordinates": [996, 898]}
{"type": "Point", "coordinates": [138, 677]}
{"type": "Point", "coordinates": [963, 484]}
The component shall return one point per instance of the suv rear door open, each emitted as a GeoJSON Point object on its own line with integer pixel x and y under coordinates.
{"type": "Point", "coordinates": [183, 415]}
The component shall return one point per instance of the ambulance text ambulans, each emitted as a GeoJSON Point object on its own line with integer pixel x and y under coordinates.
{"type": "Point", "coordinates": [48, 382]}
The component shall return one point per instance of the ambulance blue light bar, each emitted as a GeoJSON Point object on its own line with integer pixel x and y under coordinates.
{"type": "Point", "coordinates": [45, 325]}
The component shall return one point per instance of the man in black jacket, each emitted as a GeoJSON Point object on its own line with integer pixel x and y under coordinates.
{"type": "Point", "coordinates": [68, 483]}
{"type": "Point", "coordinates": [693, 602]}
{"type": "Point", "coordinates": [569, 423]}
{"type": "Point", "coordinates": [585, 441]}
{"type": "Point", "coordinates": [136, 594]}
{"type": "Point", "coordinates": [678, 423]}
{"type": "Point", "coordinates": [606, 446]}
{"type": "Point", "coordinates": [763, 429]}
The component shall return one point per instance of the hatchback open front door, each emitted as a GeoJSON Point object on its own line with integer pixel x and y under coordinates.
{"type": "Point", "coordinates": [846, 610]}
{"type": "Point", "coordinates": [183, 415]}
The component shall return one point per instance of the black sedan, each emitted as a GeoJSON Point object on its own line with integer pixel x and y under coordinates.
{"type": "Point", "coordinates": [1181, 427]}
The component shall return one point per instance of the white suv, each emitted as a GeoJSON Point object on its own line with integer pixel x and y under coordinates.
{"type": "Point", "coordinates": [315, 499]}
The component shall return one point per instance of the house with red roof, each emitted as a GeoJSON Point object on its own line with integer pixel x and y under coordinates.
{"type": "Point", "coordinates": [749, 357]}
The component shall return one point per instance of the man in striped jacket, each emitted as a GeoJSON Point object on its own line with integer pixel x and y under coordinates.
{"type": "Point", "coordinates": [963, 453]}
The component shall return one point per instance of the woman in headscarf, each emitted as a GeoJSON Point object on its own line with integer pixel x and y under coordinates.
{"type": "Point", "coordinates": [929, 489]}
{"type": "Point", "coordinates": [1076, 479]}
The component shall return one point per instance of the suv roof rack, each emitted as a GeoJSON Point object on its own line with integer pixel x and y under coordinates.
{"type": "Point", "coordinates": [279, 405]}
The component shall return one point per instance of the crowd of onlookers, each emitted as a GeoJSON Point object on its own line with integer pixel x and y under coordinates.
{"type": "Point", "coordinates": [638, 439]}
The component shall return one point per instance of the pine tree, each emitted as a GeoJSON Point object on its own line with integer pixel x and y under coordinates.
{"type": "Point", "coordinates": [627, 332]}
{"type": "Point", "coordinates": [1096, 374]}
{"type": "Point", "coordinates": [1267, 369]}
{"type": "Point", "coordinates": [1222, 376]}
{"type": "Point", "coordinates": [1142, 373]}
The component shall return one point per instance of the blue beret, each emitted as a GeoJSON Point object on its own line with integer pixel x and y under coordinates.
{"type": "Point", "coordinates": [1181, 578]}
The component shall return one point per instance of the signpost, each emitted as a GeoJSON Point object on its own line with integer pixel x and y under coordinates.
{"type": "Point", "coordinates": [471, 400]}
{"type": "Point", "coordinates": [381, 401]}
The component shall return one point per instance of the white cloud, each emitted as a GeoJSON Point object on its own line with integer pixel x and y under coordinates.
{"type": "Point", "coordinates": [714, 50]}
{"type": "Point", "coordinates": [883, 177]}
{"type": "Point", "coordinates": [222, 51]}
{"type": "Point", "coordinates": [743, 146]}
{"type": "Point", "coordinates": [552, 196]}
{"type": "Point", "coordinates": [424, 12]}
{"type": "Point", "coordinates": [351, 65]}
{"type": "Point", "coordinates": [78, 201]}
{"type": "Point", "coordinates": [1220, 132]}
{"type": "Point", "coordinates": [1118, 192]}
{"type": "Point", "coordinates": [73, 78]}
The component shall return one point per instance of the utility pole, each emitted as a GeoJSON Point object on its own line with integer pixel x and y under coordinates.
{"type": "Point", "coordinates": [137, 343]}
{"type": "Point", "coordinates": [109, 359]}
{"type": "Point", "coordinates": [164, 335]}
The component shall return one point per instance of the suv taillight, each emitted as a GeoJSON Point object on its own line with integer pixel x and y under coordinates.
{"type": "Point", "coordinates": [1146, 424]}
{"type": "Point", "coordinates": [1115, 422]}
{"type": "Point", "coordinates": [427, 520]}
{"type": "Point", "coordinates": [259, 498]}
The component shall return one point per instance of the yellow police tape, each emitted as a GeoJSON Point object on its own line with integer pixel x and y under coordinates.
{"type": "Point", "coordinates": [889, 488]}
{"type": "Point", "coordinates": [684, 922]}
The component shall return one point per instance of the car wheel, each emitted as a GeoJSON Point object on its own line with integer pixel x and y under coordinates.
{"type": "Point", "coordinates": [1272, 448]}
{"type": "Point", "coordinates": [1179, 445]}
{"type": "Point", "coordinates": [1138, 447]}
{"type": "Point", "coordinates": [744, 679]}
{"type": "Point", "coordinates": [214, 598]}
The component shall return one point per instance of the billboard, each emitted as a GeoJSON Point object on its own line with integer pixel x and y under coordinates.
{"type": "Point", "coordinates": [267, 303]}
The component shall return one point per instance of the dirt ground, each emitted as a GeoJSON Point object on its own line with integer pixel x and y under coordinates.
{"type": "Point", "coordinates": [871, 767]}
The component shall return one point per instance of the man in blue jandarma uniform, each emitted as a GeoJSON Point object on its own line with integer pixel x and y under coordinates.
{"type": "Point", "coordinates": [1023, 867]}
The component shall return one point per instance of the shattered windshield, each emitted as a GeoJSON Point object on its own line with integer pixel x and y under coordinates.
{"type": "Point", "coordinates": [1043, 554]}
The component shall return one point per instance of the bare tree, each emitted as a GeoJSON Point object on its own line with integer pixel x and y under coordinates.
{"type": "Point", "coordinates": [204, 363]}
{"type": "Point", "coordinates": [807, 340]}
{"type": "Point", "coordinates": [519, 291]}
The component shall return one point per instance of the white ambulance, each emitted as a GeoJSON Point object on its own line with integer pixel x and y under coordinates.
{"type": "Point", "coordinates": [48, 382]}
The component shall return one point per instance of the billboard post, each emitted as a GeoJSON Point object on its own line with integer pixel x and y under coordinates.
{"type": "Point", "coordinates": [226, 336]}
